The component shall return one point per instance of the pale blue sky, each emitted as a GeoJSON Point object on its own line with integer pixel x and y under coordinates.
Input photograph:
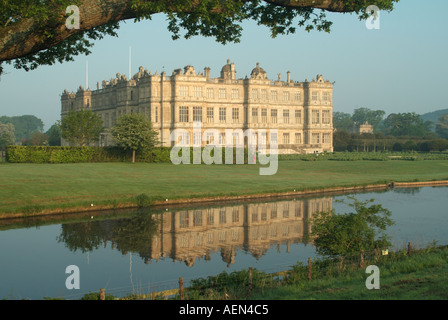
{"type": "Point", "coordinates": [400, 68]}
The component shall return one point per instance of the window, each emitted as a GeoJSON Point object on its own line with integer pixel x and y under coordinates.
{"type": "Point", "coordinates": [222, 93]}
{"type": "Point", "coordinates": [254, 94]}
{"type": "Point", "coordinates": [210, 114]}
{"type": "Point", "coordinates": [264, 115]}
{"type": "Point", "coordinates": [326, 96]}
{"type": "Point", "coordinates": [132, 95]}
{"type": "Point", "coordinates": [315, 96]}
{"type": "Point", "coordinates": [298, 138]}
{"type": "Point", "coordinates": [222, 216]}
{"type": "Point", "coordinates": [274, 138]}
{"type": "Point", "coordinates": [297, 96]}
{"type": "Point", "coordinates": [197, 218]}
{"type": "Point", "coordinates": [298, 116]}
{"type": "Point", "coordinates": [315, 117]}
{"type": "Point", "coordinates": [274, 115]}
{"type": "Point", "coordinates": [197, 114]}
{"type": "Point", "coordinates": [264, 94]}
{"type": "Point", "coordinates": [254, 115]}
{"type": "Point", "coordinates": [286, 138]}
{"type": "Point", "coordinates": [315, 138]}
{"type": "Point", "coordinates": [274, 211]}
{"type": "Point", "coordinates": [222, 138]}
{"type": "Point", "coordinates": [274, 95]}
{"type": "Point", "coordinates": [197, 91]}
{"type": "Point", "coordinates": [210, 93]}
{"type": "Point", "coordinates": [156, 114]}
{"type": "Point", "coordinates": [210, 138]}
{"type": "Point", "coordinates": [222, 115]}
{"type": "Point", "coordinates": [326, 138]}
{"type": "Point", "coordinates": [183, 91]}
{"type": "Point", "coordinates": [184, 139]}
{"type": "Point", "coordinates": [235, 94]}
{"type": "Point", "coordinates": [183, 114]}
{"type": "Point", "coordinates": [286, 116]}
{"type": "Point", "coordinates": [197, 136]}
{"type": "Point", "coordinates": [183, 219]}
{"type": "Point", "coordinates": [326, 117]}
{"type": "Point", "coordinates": [286, 96]}
{"type": "Point", "coordinates": [210, 216]}
{"type": "Point", "coordinates": [235, 115]}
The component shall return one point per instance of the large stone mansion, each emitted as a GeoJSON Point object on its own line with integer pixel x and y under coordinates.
{"type": "Point", "coordinates": [301, 112]}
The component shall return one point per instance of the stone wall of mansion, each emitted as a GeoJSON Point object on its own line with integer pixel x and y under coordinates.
{"type": "Point", "coordinates": [301, 112]}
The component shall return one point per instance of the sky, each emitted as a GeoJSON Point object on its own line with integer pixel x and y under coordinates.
{"type": "Point", "coordinates": [401, 67]}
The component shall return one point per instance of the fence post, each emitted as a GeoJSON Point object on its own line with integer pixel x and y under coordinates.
{"type": "Point", "coordinates": [310, 267]}
{"type": "Point", "coordinates": [102, 294]}
{"type": "Point", "coordinates": [250, 280]}
{"type": "Point", "coordinates": [181, 288]}
{"type": "Point", "coordinates": [361, 263]}
{"type": "Point", "coordinates": [409, 248]}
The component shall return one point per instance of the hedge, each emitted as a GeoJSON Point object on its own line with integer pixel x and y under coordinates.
{"type": "Point", "coordinates": [50, 154]}
{"type": "Point", "coordinates": [47, 154]}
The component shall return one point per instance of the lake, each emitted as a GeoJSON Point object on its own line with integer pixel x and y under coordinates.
{"type": "Point", "coordinates": [148, 250]}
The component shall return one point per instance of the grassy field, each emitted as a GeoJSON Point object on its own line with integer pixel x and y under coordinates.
{"type": "Point", "coordinates": [32, 188]}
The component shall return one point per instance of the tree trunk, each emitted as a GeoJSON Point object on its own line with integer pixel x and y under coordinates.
{"type": "Point", "coordinates": [133, 155]}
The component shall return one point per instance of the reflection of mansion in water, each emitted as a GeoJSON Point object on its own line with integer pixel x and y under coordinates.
{"type": "Point", "coordinates": [197, 233]}
{"type": "Point", "coordinates": [300, 112]}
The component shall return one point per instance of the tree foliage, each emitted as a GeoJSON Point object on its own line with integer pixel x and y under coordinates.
{"type": "Point", "coordinates": [81, 127]}
{"type": "Point", "coordinates": [405, 124]}
{"type": "Point", "coordinates": [33, 32]}
{"type": "Point", "coordinates": [6, 135]}
{"type": "Point", "coordinates": [54, 135]}
{"type": "Point", "coordinates": [340, 235]}
{"type": "Point", "coordinates": [442, 126]}
{"type": "Point", "coordinates": [133, 132]}
{"type": "Point", "coordinates": [24, 126]}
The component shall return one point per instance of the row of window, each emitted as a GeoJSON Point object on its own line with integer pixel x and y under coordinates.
{"type": "Point", "coordinates": [185, 91]}
{"type": "Point", "coordinates": [197, 218]}
{"type": "Point", "coordinates": [184, 115]}
{"type": "Point", "coordinates": [237, 138]}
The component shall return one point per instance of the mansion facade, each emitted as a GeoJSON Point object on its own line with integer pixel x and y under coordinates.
{"type": "Point", "coordinates": [300, 112]}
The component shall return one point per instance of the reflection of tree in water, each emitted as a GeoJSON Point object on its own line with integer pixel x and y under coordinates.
{"type": "Point", "coordinates": [132, 234]}
{"type": "Point", "coordinates": [410, 191]}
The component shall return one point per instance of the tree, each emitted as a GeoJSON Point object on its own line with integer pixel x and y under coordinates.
{"type": "Point", "coordinates": [6, 135]}
{"type": "Point", "coordinates": [34, 33]}
{"type": "Point", "coordinates": [343, 121]}
{"type": "Point", "coordinates": [134, 132]}
{"type": "Point", "coordinates": [36, 139]}
{"type": "Point", "coordinates": [405, 124]}
{"type": "Point", "coordinates": [363, 115]}
{"type": "Point", "coordinates": [81, 127]}
{"type": "Point", "coordinates": [54, 135]}
{"type": "Point", "coordinates": [24, 126]}
{"type": "Point", "coordinates": [341, 235]}
{"type": "Point", "coordinates": [442, 126]}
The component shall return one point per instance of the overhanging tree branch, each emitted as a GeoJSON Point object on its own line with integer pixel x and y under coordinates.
{"type": "Point", "coordinates": [34, 32]}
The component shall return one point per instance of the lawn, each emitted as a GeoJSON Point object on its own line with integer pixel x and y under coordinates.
{"type": "Point", "coordinates": [31, 188]}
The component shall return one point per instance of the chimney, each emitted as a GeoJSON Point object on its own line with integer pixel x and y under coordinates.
{"type": "Point", "coordinates": [207, 73]}
{"type": "Point", "coordinates": [289, 76]}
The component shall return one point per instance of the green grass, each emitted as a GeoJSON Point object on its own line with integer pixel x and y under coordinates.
{"type": "Point", "coordinates": [422, 276]}
{"type": "Point", "coordinates": [31, 188]}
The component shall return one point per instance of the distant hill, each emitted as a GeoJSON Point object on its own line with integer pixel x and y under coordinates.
{"type": "Point", "coordinates": [434, 116]}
